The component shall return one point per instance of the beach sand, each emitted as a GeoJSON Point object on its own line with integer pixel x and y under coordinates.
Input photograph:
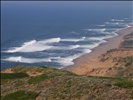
{"type": "Point", "coordinates": [111, 43]}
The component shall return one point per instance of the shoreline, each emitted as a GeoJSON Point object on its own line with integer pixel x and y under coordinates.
{"type": "Point", "coordinates": [111, 43]}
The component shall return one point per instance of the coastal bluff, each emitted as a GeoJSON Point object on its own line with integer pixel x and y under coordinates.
{"type": "Point", "coordinates": [43, 83]}
{"type": "Point", "coordinates": [115, 62]}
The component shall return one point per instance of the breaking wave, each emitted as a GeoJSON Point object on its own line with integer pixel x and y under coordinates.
{"type": "Point", "coordinates": [96, 30]}
{"type": "Point", "coordinates": [26, 60]}
{"type": "Point", "coordinates": [116, 20]}
{"type": "Point", "coordinates": [73, 39]}
{"type": "Point", "coordinates": [114, 23]}
{"type": "Point", "coordinates": [102, 25]}
{"type": "Point", "coordinates": [66, 61]}
{"type": "Point", "coordinates": [65, 47]}
{"type": "Point", "coordinates": [34, 46]}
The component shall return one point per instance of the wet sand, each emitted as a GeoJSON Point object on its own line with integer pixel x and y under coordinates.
{"type": "Point", "coordinates": [111, 43]}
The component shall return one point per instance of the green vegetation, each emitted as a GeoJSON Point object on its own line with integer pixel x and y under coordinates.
{"type": "Point", "coordinates": [13, 75]}
{"type": "Point", "coordinates": [108, 78]}
{"type": "Point", "coordinates": [23, 69]}
{"type": "Point", "coordinates": [4, 81]}
{"type": "Point", "coordinates": [57, 84]}
{"type": "Point", "coordinates": [20, 95]}
{"type": "Point", "coordinates": [20, 83]}
{"type": "Point", "coordinates": [37, 79]}
{"type": "Point", "coordinates": [125, 84]}
{"type": "Point", "coordinates": [49, 73]}
{"type": "Point", "coordinates": [123, 66]}
{"type": "Point", "coordinates": [129, 61]}
{"type": "Point", "coordinates": [117, 68]}
{"type": "Point", "coordinates": [127, 44]}
{"type": "Point", "coordinates": [129, 36]}
{"type": "Point", "coordinates": [18, 69]}
{"type": "Point", "coordinates": [128, 64]}
{"type": "Point", "coordinates": [111, 50]}
{"type": "Point", "coordinates": [69, 83]}
{"type": "Point", "coordinates": [47, 70]}
{"type": "Point", "coordinates": [132, 95]}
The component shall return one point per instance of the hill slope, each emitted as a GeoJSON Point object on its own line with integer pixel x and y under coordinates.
{"type": "Point", "coordinates": [115, 62]}
{"type": "Point", "coordinates": [42, 83]}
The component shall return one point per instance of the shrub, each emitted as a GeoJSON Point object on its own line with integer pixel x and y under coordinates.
{"type": "Point", "coordinates": [128, 64]}
{"type": "Point", "coordinates": [37, 79]}
{"type": "Point", "coordinates": [13, 75]}
{"type": "Point", "coordinates": [68, 84]}
{"type": "Point", "coordinates": [132, 95]}
{"type": "Point", "coordinates": [19, 83]}
{"type": "Point", "coordinates": [20, 95]}
{"type": "Point", "coordinates": [125, 84]}
{"type": "Point", "coordinates": [18, 69]}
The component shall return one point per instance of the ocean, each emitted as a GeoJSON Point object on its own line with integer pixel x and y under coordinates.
{"type": "Point", "coordinates": [54, 33]}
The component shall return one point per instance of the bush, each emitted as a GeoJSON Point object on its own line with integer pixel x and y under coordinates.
{"type": "Point", "coordinates": [13, 75]}
{"type": "Point", "coordinates": [19, 83]}
{"type": "Point", "coordinates": [20, 95]}
{"type": "Point", "coordinates": [132, 95]}
{"type": "Point", "coordinates": [37, 79]}
{"type": "Point", "coordinates": [125, 84]}
{"type": "Point", "coordinates": [20, 68]}
{"type": "Point", "coordinates": [128, 64]}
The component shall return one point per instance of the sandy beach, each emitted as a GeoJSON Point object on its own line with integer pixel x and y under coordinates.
{"type": "Point", "coordinates": [111, 43]}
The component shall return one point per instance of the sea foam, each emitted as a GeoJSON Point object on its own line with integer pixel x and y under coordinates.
{"type": "Point", "coordinates": [73, 39]}
{"type": "Point", "coordinates": [66, 61]}
{"type": "Point", "coordinates": [96, 30]}
{"type": "Point", "coordinates": [117, 20]}
{"type": "Point", "coordinates": [114, 23]}
{"type": "Point", "coordinates": [69, 47]}
{"type": "Point", "coordinates": [26, 60]}
{"type": "Point", "coordinates": [34, 46]}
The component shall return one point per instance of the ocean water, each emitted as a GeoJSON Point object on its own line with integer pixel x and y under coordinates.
{"type": "Point", "coordinates": [54, 33]}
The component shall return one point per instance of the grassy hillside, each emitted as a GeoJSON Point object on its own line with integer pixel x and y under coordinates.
{"type": "Point", "coordinates": [57, 84]}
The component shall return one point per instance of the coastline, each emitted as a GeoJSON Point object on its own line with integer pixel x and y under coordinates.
{"type": "Point", "coordinates": [111, 43]}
